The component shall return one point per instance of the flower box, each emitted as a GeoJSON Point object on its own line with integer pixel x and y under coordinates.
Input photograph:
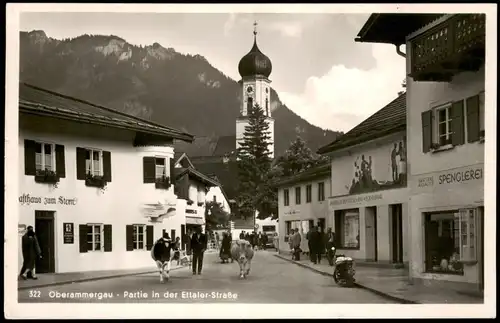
{"type": "Point", "coordinates": [200, 203]}
{"type": "Point", "coordinates": [163, 183]}
{"type": "Point", "coordinates": [190, 202]}
{"type": "Point", "coordinates": [46, 176]}
{"type": "Point", "coordinates": [95, 181]}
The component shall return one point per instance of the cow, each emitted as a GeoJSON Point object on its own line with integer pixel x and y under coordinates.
{"type": "Point", "coordinates": [242, 252]}
{"type": "Point", "coordinates": [161, 255]}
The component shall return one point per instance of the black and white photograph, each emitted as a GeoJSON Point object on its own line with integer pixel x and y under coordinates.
{"type": "Point", "coordinates": [254, 160]}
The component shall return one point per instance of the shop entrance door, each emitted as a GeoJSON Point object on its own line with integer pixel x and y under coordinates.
{"type": "Point", "coordinates": [44, 229]}
{"type": "Point", "coordinates": [397, 233]}
{"type": "Point", "coordinates": [371, 233]}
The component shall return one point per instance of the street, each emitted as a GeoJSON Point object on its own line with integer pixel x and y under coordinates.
{"type": "Point", "coordinates": [271, 280]}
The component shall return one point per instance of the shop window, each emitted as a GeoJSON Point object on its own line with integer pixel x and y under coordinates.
{"type": "Point", "coordinates": [347, 229]}
{"type": "Point", "coordinates": [139, 237]}
{"type": "Point", "coordinates": [94, 237]}
{"type": "Point", "coordinates": [297, 195]}
{"type": "Point", "coordinates": [481, 115]}
{"type": "Point", "coordinates": [286, 197]}
{"type": "Point", "coordinates": [450, 240]}
{"type": "Point", "coordinates": [321, 191]}
{"type": "Point", "coordinates": [308, 193]}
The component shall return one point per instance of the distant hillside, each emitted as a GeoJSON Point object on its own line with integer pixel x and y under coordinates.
{"type": "Point", "coordinates": [152, 82]}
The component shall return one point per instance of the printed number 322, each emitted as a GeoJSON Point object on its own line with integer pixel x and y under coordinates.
{"type": "Point", "coordinates": [34, 293]}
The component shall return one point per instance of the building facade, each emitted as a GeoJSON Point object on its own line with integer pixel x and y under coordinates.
{"type": "Point", "coordinates": [368, 205]}
{"type": "Point", "coordinates": [445, 57]}
{"type": "Point", "coordinates": [303, 203]}
{"type": "Point", "coordinates": [88, 186]}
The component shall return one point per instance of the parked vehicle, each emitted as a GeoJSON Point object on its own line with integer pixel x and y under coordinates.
{"type": "Point", "coordinates": [343, 274]}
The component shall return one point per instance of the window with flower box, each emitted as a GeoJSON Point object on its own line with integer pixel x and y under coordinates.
{"type": "Point", "coordinates": [45, 161]}
{"type": "Point", "coordinates": [93, 166]}
{"type": "Point", "coordinates": [155, 171]}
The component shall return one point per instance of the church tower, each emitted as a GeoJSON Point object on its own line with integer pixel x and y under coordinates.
{"type": "Point", "coordinates": [254, 69]}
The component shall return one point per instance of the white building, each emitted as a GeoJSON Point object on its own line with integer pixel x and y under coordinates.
{"type": "Point", "coordinates": [255, 68]}
{"type": "Point", "coordinates": [445, 56]}
{"type": "Point", "coordinates": [302, 203]}
{"type": "Point", "coordinates": [368, 205]}
{"type": "Point", "coordinates": [94, 183]}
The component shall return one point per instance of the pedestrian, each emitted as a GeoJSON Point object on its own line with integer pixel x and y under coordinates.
{"type": "Point", "coordinates": [217, 245]}
{"type": "Point", "coordinates": [322, 239]}
{"type": "Point", "coordinates": [296, 240]}
{"type": "Point", "coordinates": [31, 252]}
{"type": "Point", "coordinates": [264, 241]}
{"type": "Point", "coordinates": [330, 243]}
{"type": "Point", "coordinates": [198, 247]}
{"type": "Point", "coordinates": [177, 250]}
{"type": "Point", "coordinates": [316, 245]}
{"type": "Point", "coordinates": [242, 235]}
{"type": "Point", "coordinates": [290, 244]}
{"type": "Point", "coordinates": [225, 250]}
{"type": "Point", "coordinates": [309, 245]}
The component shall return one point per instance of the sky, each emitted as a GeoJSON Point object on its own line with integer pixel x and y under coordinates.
{"type": "Point", "coordinates": [319, 72]}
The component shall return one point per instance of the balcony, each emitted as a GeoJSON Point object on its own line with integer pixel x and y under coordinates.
{"type": "Point", "coordinates": [454, 46]}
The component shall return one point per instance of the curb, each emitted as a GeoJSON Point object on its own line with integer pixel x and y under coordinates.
{"type": "Point", "coordinates": [82, 280]}
{"type": "Point", "coordinates": [385, 295]}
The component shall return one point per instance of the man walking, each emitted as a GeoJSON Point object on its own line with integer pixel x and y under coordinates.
{"type": "Point", "coordinates": [296, 240]}
{"type": "Point", "coordinates": [316, 245]}
{"type": "Point", "coordinates": [198, 247]}
{"type": "Point", "coordinates": [31, 252]}
{"type": "Point", "coordinates": [330, 242]}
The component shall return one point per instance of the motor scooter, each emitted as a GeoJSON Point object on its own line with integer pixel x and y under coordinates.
{"type": "Point", "coordinates": [343, 273]}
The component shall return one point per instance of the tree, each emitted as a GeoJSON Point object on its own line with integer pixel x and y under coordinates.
{"type": "Point", "coordinates": [297, 158]}
{"type": "Point", "coordinates": [215, 216]}
{"type": "Point", "coordinates": [254, 164]}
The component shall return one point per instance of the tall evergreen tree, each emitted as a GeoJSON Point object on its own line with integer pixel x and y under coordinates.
{"type": "Point", "coordinates": [254, 163]}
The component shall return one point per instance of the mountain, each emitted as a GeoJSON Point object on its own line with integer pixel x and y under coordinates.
{"type": "Point", "coordinates": [152, 82]}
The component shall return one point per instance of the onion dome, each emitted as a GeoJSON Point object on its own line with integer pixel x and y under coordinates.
{"type": "Point", "coordinates": [255, 62]}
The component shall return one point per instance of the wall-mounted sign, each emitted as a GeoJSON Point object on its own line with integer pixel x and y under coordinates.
{"type": "Point", "coordinates": [453, 177]}
{"type": "Point", "coordinates": [27, 199]}
{"type": "Point", "coordinates": [190, 211]}
{"type": "Point", "coordinates": [291, 212]}
{"type": "Point", "coordinates": [69, 233]}
{"type": "Point", "coordinates": [21, 228]}
{"type": "Point", "coordinates": [356, 199]}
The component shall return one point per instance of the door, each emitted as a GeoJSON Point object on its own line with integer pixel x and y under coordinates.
{"type": "Point", "coordinates": [183, 236]}
{"type": "Point", "coordinates": [397, 233]}
{"type": "Point", "coordinates": [44, 230]}
{"type": "Point", "coordinates": [370, 233]}
{"type": "Point", "coordinates": [321, 223]}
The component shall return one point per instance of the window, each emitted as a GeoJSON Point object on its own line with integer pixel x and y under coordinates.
{"type": "Point", "coordinates": [94, 237]}
{"type": "Point", "coordinates": [481, 114]}
{"type": "Point", "coordinates": [443, 124]}
{"type": "Point", "coordinates": [139, 237]}
{"type": "Point", "coordinates": [93, 162]}
{"type": "Point", "coordinates": [268, 228]}
{"type": "Point", "coordinates": [321, 191]}
{"type": "Point", "coordinates": [45, 158]}
{"type": "Point", "coordinates": [450, 240]}
{"type": "Point", "coordinates": [160, 168]}
{"type": "Point", "coordinates": [347, 228]}
{"type": "Point", "coordinates": [286, 197]}
{"type": "Point", "coordinates": [308, 193]}
{"type": "Point", "coordinates": [297, 195]}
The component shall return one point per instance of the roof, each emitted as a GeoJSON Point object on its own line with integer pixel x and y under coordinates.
{"type": "Point", "coordinates": [388, 120]}
{"type": "Point", "coordinates": [227, 175]}
{"type": "Point", "coordinates": [225, 145]}
{"type": "Point", "coordinates": [38, 101]}
{"type": "Point", "coordinates": [193, 173]}
{"type": "Point", "coordinates": [320, 171]}
{"type": "Point", "coordinates": [200, 146]}
{"type": "Point", "coordinates": [392, 28]}
{"type": "Point", "coordinates": [179, 157]}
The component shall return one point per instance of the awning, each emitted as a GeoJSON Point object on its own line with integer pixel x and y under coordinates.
{"type": "Point", "coordinates": [194, 220]}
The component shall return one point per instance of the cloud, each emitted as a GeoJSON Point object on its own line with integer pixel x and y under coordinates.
{"type": "Point", "coordinates": [343, 97]}
{"type": "Point", "coordinates": [229, 24]}
{"type": "Point", "coordinates": [289, 29]}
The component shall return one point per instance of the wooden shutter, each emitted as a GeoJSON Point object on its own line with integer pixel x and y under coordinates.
{"type": "Point", "coordinates": [29, 158]}
{"type": "Point", "coordinates": [172, 170]}
{"type": "Point", "coordinates": [60, 162]}
{"type": "Point", "coordinates": [172, 234]}
{"type": "Point", "coordinates": [108, 238]}
{"type": "Point", "coordinates": [457, 123]}
{"type": "Point", "coordinates": [106, 166]}
{"type": "Point", "coordinates": [129, 237]}
{"type": "Point", "coordinates": [426, 131]}
{"type": "Point", "coordinates": [183, 236]}
{"type": "Point", "coordinates": [149, 237]}
{"type": "Point", "coordinates": [473, 119]}
{"type": "Point", "coordinates": [83, 230]}
{"type": "Point", "coordinates": [80, 163]}
{"type": "Point", "coordinates": [149, 169]}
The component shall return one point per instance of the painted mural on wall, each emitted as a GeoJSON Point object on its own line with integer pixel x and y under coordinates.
{"type": "Point", "coordinates": [364, 179]}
